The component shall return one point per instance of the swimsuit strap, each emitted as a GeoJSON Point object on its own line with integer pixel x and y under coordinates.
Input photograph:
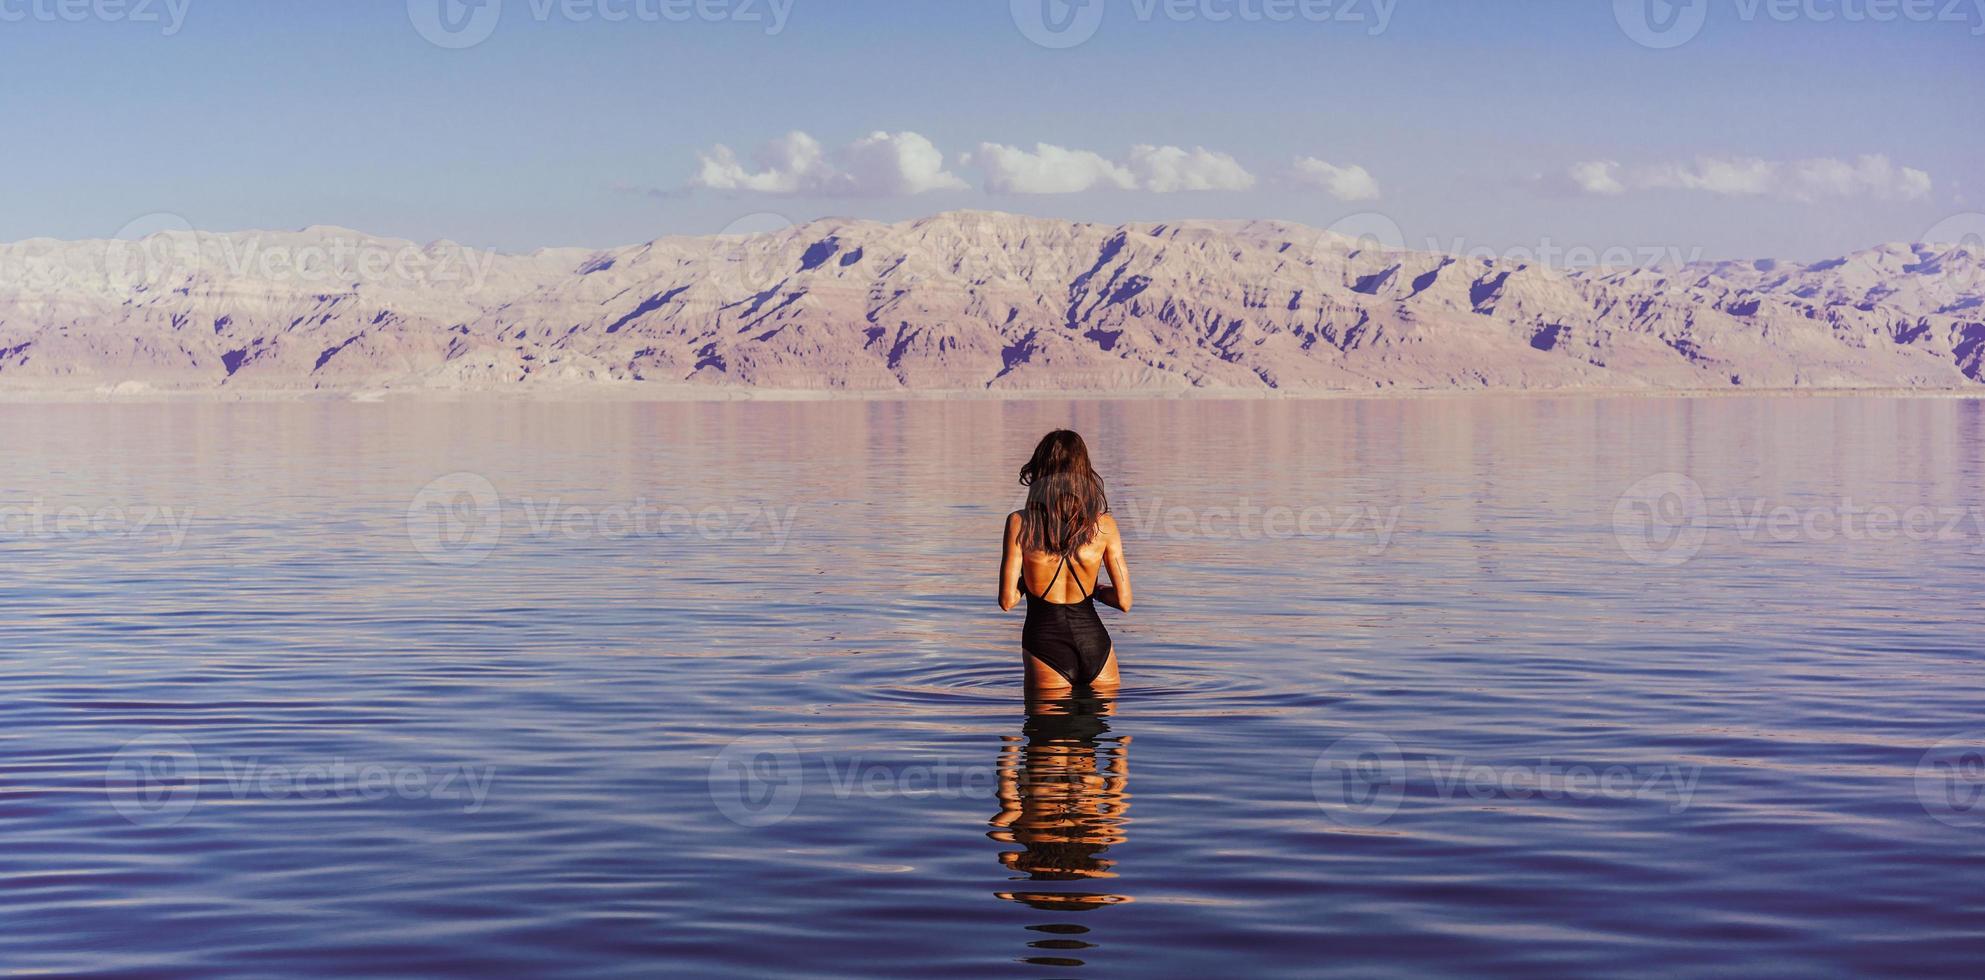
{"type": "Point", "coordinates": [1075, 575]}
{"type": "Point", "coordinates": [1051, 582]}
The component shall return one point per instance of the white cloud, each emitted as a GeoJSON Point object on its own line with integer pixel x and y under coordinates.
{"type": "Point", "coordinates": [1730, 177]}
{"type": "Point", "coordinates": [1797, 180]}
{"type": "Point", "coordinates": [1165, 169]}
{"type": "Point", "coordinates": [1348, 183]}
{"type": "Point", "coordinates": [901, 164]}
{"type": "Point", "coordinates": [787, 163]}
{"type": "Point", "coordinates": [1598, 177]}
{"type": "Point", "coordinates": [1050, 169]}
{"type": "Point", "coordinates": [1871, 175]}
{"type": "Point", "coordinates": [878, 165]}
{"type": "Point", "coordinates": [898, 163]}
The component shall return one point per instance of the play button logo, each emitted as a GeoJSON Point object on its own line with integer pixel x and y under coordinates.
{"type": "Point", "coordinates": [1058, 24]}
{"type": "Point", "coordinates": [1661, 24]}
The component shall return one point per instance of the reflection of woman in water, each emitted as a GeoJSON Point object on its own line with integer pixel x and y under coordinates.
{"type": "Point", "coordinates": [1062, 542]}
{"type": "Point", "coordinates": [1062, 803]}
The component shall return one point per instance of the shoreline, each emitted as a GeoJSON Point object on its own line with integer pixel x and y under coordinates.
{"type": "Point", "coordinates": [601, 394]}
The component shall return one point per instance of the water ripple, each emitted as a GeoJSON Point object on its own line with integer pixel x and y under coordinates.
{"type": "Point", "coordinates": [1495, 744]}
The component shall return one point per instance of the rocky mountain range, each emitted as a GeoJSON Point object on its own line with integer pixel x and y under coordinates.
{"type": "Point", "coordinates": [962, 302]}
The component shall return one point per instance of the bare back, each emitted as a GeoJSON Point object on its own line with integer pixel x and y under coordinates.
{"type": "Point", "coordinates": [1044, 574]}
{"type": "Point", "coordinates": [1077, 575]}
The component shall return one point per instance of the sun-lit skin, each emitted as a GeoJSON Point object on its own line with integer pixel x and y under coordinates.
{"type": "Point", "coordinates": [1064, 801]}
{"type": "Point", "coordinates": [1103, 553]}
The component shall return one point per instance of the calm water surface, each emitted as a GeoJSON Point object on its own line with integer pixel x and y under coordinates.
{"type": "Point", "coordinates": [1516, 686]}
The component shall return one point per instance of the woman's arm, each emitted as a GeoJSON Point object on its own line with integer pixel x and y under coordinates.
{"type": "Point", "coordinates": [1009, 564]}
{"type": "Point", "coordinates": [1117, 593]}
{"type": "Point", "coordinates": [1010, 810]}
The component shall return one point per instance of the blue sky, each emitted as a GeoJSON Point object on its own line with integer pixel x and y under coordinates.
{"type": "Point", "coordinates": [1482, 125]}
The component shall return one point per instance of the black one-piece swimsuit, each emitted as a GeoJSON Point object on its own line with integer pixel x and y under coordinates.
{"type": "Point", "coordinates": [1067, 636]}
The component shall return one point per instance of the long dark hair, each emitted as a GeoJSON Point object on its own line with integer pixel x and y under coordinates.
{"type": "Point", "coordinates": [1064, 495]}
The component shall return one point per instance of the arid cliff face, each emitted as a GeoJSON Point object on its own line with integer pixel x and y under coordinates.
{"type": "Point", "coordinates": [964, 301]}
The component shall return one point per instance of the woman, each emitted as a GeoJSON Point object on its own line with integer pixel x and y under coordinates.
{"type": "Point", "coordinates": [1061, 544]}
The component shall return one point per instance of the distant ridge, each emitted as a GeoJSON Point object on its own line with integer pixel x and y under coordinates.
{"type": "Point", "coordinates": [962, 301]}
